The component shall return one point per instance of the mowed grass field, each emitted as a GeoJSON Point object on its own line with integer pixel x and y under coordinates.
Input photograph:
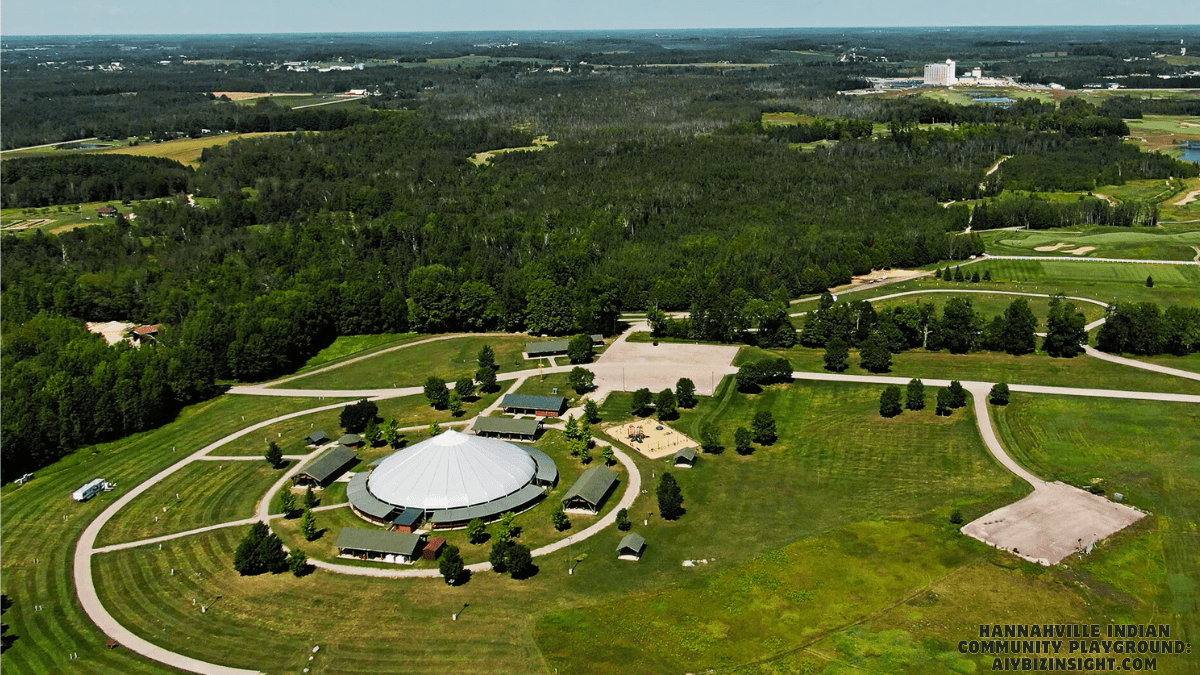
{"type": "Point", "coordinates": [449, 359]}
{"type": "Point", "coordinates": [1108, 242]}
{"type": "Point", "coordinates": [1148, 451]}
{"type": "Point", "coordinates": [209, 493]}
{"type": "Point", "coordinates": [187, 150]}
{"type": "Point", "coordinates": [866, 467]}
{"type": "Point", "coordinates": [988, 304]}
{"type": "Point", "coordinates": [38, 542]}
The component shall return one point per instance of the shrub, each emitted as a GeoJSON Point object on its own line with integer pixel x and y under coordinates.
{"type": "Point", "coordinates": [999, 394]}
{"type": "Point", "coordinates": [889, 401]}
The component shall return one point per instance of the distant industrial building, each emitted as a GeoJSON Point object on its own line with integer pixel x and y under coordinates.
{"type": "Point", "coordinates": [940, 74]}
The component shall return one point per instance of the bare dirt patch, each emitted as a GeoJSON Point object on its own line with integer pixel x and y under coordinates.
{"type": "Point", "coordinates": [1053, 522]}
{"type": "Point", "coordinates": [629, 366]}
{"type": "Point", "coordinates": [28, 224]}
{"type": "Point", "coordinates": [658, 440]}
{"type": "Point", "coordinates": [1052, 248]}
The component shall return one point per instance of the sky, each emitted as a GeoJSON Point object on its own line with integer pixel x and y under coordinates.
{"type": "Point", "coordinates": [90, 17]}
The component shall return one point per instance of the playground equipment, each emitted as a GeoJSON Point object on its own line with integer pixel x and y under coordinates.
{"type": "Point", "coordinates": [635, 434]}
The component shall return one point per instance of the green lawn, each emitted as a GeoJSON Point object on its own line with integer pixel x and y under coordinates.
{"type": "Point", "coordinates": [408, 411]}
{"type": "Point", "coordinates": [990, 305]}
{"type": "Point", "coordinates": [546, 386]}
{"type": "Point", "coordinates": [1056, 272]}
{"type": "Point", "coordinates": [449, 359]}
{"type": "Point", "coordinates": [1038, 368]}
{"type": "Point", "coordinates": [1150, 452]}
{"type": "Point", "coordinates": [349, 346]}
{"type": "Point", "coordinates": [208, 493]}
{"type": "Point", "coordinates": [33, 527]}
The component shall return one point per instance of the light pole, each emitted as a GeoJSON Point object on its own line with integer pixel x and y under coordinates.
{"type": "Point", "coordinates": [571, 569]}
{"type": "Point", "coordinates": [454, 617]}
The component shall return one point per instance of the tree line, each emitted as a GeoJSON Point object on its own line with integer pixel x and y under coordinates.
{"type": "Point", "coordinates": [74, 179]}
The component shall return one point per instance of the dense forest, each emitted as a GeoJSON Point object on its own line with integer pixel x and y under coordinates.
{"type": "Point", "coordinates": [664, 192]}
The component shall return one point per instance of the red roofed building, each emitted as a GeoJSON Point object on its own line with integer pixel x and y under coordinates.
{"type": "Point", "coordinates": [142, 334]}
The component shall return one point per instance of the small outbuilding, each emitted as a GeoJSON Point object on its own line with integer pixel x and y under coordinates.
{"type": "Point", "coordinates": [631, 547]}
{"type": "Point", "coordinates": [597, 339]}
{"type": "Point", "coordinates": [351, 440]}
{"type": "Point", "coordinates": [590, 491]}
{"type": "Point", "coordinates": [685, 458]}
{"type": "Point", "coordinates": [433, 549]}
{"type": "Point", "coordinates": [317, 437]}
{"type": "Point", "coordinates": [408, 520]}
{"type": "Point", "coordinates": [397, 547]}
{"type": "Point", "coordinates": [548, 348]}
{"type": "Point", "coordinates": [527, 404]}
{"type": "Point", "coordinates": [107, 212]}
{"type": "Point", "coordinates": [524, 429]}
{"type": "Point", "coordinates": [326, 467]}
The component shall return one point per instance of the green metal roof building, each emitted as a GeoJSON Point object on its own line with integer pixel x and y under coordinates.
{"type": "Point", "coordinates": [686, 457]}
{"type": "Point", "coordinates": [589, 492]}
{"type": "Point", "coordinates": [525, 429]}
{"type": "Point", "coordinates": [547, 348]}
{"type": "Point", "coordinates": [375, 544]}
{"type": "Point", "coordinates": [528, 404]}
{"type": "Point", "coordinates": [326, 467]}
{"type": "Point", "coordinates": [631, 547]}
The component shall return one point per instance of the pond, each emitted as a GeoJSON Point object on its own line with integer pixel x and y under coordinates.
{"type": "Point", "coordinates": [993, 99]}
{"type": "Point", "coordinates": [1191, 152]}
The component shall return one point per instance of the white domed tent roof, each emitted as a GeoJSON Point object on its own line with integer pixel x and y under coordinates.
{"type": "Point", "coordinates": [451, 470]}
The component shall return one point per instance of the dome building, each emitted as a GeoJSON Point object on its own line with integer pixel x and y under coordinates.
{"type": "Point", "coordinates": [452, 479]}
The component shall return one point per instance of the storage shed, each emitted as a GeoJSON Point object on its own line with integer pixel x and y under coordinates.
{"type": "Point", "coordinates": [326, 467]}
{"type": "Point", "coordinates": [685, 458]}
{"type": "Point", "coordinates": [408, 520]}
{"type": "Point", "coordinates": [631, 547]}
{"type": "Point", "coordinates": [317, 437]}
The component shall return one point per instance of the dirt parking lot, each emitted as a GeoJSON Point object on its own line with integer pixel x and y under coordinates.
{"type": "Point", "coordinates": [629, 366]}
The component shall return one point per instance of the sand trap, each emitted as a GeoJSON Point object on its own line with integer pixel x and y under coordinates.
{"type": "Point", "coordinates": [1081, 250]}
{"type": "Point", "coordinates": [1053, 522]}
{"type": "Point", "coordinates": [1188, 198]}
{"type": "Point", "coordinates": [881, 275]}
{"type": "Point", "coordinates": [656, 443]}
{"type": "Point", "coordinates": [1052, 248]}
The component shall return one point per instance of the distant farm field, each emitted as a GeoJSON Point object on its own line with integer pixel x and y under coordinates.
{"type": "Point", "coordinates": [187, 150]}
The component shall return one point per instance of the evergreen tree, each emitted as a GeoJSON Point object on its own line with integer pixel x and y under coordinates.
{"type": "Point", "coordinates": [874, 356]}
{"type": "Point", "coordinates": [486, 377]}
{"type": "Point", "coordinates": [763, 427]}
{"type": "Point", "coordinates": [571, 429]}
{"type": "Point", "coordinates": [836, 353]}
{"type": "Point", "coordinates": [640, 406]}
{"type": "Point", "coordinates": [287, 501]}
{"type": "Point", "coordinates": [999, 394]}
{"type": "Point", "coordinates": [259, 551]}
{"type": "Point", "coordinates": [664, 405]}
{"type": "Point", "coordinates": [450, 565]}
{"type": "Point", "coordinates": [937, 274]}
{"type": "Point", "coordinates": [308, 525]}
{"type": "Point", "coordinates": [958, 275]}
{"type": "Point", "coordinates": [393, 435]}
{"type": "Point", "coordinates": [623, 523]}
{"type": "Point", "coordinates": [975, 278]}
{"type": "Point", "coordinates": [476, 531]}
{"type": "Point", "coordinates": [591, 411]}
{"type": "Point", "coordinates": [685, 393]}
{"type": "Point", "coordinates": [889, 401]}
{"type": "Point", "coordinates": [915, 395]}
{"type": "Point", "coordinates": [581, 380]}
{"type": "Point", "coordinates": [465, 388]}
{"type": "Point", "coordinates": [297, 562]}
{"type": "Point", "coordinates": [559, 519]}
{"type": "Point", "coordinates": [742, 439]}
{"type": "Point", "coordinates": [580, 350]}
{"type": "Point", "coordinates": [1019, 326]}
{"type": "Point", "coordinates": [606, 452]}
{"type": "Point", "coordinates": [436, 392]}
{"type": "Point", "coordinates": [1149, 281]}
{"type": "Point", "coordinates": [487, 358]}
{"type": "Point", "coordinates": [310, 499]}
{"type": "Point", "coordinates": [670, 497]}
{"type": "Point", "coordinates": [274, 455]}
{"type": "Point", "coordinates": [454, 404]}
{"type": "Point", "coordinates": [433, 430]}
{"type": "Point", "coordinates": [987, 275]}
{"type": "Point", "coordinates": [958, 395]}
{"type": "Point", "coordinates": [585, 453]}
{"type": "Point", "coordinates": [956, 517]}
{"type": "Point", "coordinates": [709, 441]}
{"type": "Point", "coordinates": [373, 434]}
{"type": "Point", "coordinates": [943, 402]}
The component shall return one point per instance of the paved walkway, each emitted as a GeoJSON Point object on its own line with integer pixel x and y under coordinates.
{"type": "Point", "coordinates": [986, 292]}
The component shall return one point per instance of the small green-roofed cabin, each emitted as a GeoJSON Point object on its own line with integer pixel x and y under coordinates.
{"type": "Point", "coordinates": [631, 547]}
{"type": "Point", "coordinates": [685, 458]}
{"type": "Point", "coordinates": [351, 440]}
{"type": "Point", "coordinates": [325, 469]}
{"type": "Point", "coordinates": [524, 429]}
{"type": "Point", "coordinates": [529, 404]}
{"type": "Point", "coordinates": [547, 348]}
{"type": "Point", "coordinates": [589, 492]}
{"type": "Point", "coordinates": [397, 547]}
{"type": "Point", "coordinates": [317, 437]}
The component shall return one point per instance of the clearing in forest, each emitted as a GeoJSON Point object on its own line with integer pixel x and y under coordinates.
{"type": "Point", "coordinates": [187, 150]}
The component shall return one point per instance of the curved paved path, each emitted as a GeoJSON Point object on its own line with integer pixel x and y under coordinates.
{"type": "Point", "coordinates": [85, 585]}
{"type": "Point", "coordinates": [985, 292]}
